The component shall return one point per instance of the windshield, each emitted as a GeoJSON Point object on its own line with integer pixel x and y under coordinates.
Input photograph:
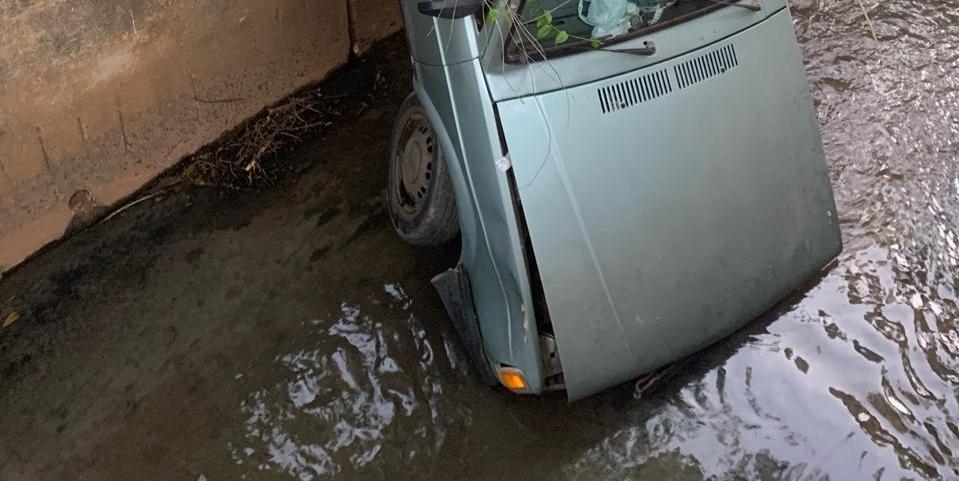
{"type": "Point", "coordinates": [550, 27]}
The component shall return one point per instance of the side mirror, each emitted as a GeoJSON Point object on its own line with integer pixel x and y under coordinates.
{"type": "Point", "coordinates": [450, 8]}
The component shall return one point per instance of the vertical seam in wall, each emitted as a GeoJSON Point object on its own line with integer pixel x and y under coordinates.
{"type": "Point", "coordinates": [123, 127]}
{"type": "Point", "coordinates": [46, 163]}
{"type": "Point", "coordinates": [5, 179]}
{"type": "Point", "coordinates": [349, 29]}
{"type": "Point", "coordinates": [83, 136]}
{"type": "Point", "coordinates": [43, 151]}
{"type": "Point", "coordinates": [196, 96]}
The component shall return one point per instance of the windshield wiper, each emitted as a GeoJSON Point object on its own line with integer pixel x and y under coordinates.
{"type": "Point", "coordinates": [648, 48]}
{"type": "Point", "coordinates": [755, 7]}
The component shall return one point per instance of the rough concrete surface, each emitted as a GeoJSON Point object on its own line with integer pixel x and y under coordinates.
{"type": "Point", "coordinates": [372, 20]}
{"type": "Point", "coordinates": [103, 96]}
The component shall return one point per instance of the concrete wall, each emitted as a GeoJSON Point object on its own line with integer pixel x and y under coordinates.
{"type": "Point", "coordinates": [102, 95]}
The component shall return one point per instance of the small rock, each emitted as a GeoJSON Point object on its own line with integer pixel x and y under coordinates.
{"type": "Point", "coordinates": [85, 210]}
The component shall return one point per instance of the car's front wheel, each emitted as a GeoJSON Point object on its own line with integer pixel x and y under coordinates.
{"type": "Point", "coordinates": [421, 203]}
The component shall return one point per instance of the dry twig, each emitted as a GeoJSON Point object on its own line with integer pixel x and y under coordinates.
{"type": "Point", "coordinates": [239, 158]}
{"type": "Point", "coordinates": [868, 21]}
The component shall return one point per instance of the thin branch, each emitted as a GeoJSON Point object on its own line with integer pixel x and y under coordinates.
{"type": "Point", "coordinates": [868, 21]}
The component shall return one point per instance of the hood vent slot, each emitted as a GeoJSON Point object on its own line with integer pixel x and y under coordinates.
{"type": "Point", "coordinates": [634, 91]}
{"type": "Point", "coordinates": [705, 66]}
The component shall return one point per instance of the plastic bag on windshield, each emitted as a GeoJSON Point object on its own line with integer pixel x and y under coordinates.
{"type": "Point", "coordinates": [652, 10]}
{"type": "Point", "coordinates": [616, 17]}
{"type": "Point", "coordinates": [608, 17]}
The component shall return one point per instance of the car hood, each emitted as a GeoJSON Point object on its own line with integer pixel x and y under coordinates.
{"type": "Point", "coordinates": [669, 206]}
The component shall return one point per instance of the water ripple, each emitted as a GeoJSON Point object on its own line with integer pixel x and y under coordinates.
{"type": "Point", "coordinates": [340, 401]}
{"type": "Point", "coordinates": [857, 378]}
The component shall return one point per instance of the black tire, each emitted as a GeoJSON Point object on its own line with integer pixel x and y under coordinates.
{"type": "Point", "coordinates": [420, 198]}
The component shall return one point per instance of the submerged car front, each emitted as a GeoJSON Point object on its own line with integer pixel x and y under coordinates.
{"type": "Point", "coordinates": [668, 172]}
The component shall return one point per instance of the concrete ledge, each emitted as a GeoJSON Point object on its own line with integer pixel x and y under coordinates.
{"type": "Point", "coordinates": [102, 98]}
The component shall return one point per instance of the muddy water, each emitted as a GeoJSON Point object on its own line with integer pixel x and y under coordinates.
{"type": "Point", "coordinates": [296, 338]}
{"type": "Point", "coordinates": [856, 378]}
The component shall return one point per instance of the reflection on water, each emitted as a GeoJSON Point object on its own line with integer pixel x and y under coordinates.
{"type": "Point", "coordinates": [340, 400]}
{"type": "Point", "coordinates": [855, 379]}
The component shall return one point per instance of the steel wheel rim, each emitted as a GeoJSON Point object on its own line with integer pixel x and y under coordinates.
{"type": "Point", "coordinates": [414, 165]}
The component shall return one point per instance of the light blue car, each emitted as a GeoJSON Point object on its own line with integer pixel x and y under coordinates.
{"type": "Point", "coordinates": [632, 180]}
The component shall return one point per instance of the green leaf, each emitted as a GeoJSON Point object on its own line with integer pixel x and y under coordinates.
{"type": "Point", "coordinates": [544, 31]}
{"type": "Point", "coordinates": [561, 37]}
{"type": "Point", "coordinates": [492, 15]}
{"type": "Point", "coordinates": [545, 18]}
{"type": "Point", "coordinates": [594, 42]}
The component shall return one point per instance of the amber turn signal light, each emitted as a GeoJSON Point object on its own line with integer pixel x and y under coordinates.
{"type": "Point", "coordinates": [512, 378]}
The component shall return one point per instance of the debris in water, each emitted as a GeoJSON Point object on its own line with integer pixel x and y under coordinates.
{"type": "Point", "coordinates": [131, 204]}
{"type": "Point", "coordinates": [645, 383]}
{"type": "Point", "coordinates": [872, 29]}
{"type": "Point", "coordinates": [237, 159]}
{"type": "Point", "coordinates": [10, 319]}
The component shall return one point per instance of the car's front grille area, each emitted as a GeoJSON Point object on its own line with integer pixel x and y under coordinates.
{"type": "Point", "coordinates": [637, 90]}
{"type": "Point", "coordinates": [707, 65]}
{"type": "Point", "coordinates": [634, 91]}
